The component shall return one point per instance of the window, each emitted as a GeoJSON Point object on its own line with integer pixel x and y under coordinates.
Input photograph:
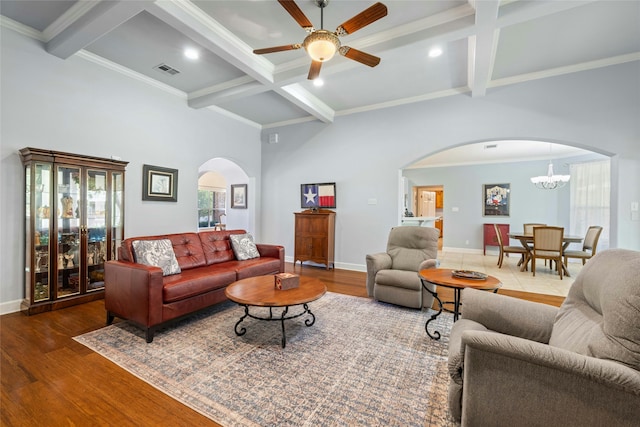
{"type": "Point", "coordinates": [211, 206]}
{"type": "Point", "coordinates": [590, 199]}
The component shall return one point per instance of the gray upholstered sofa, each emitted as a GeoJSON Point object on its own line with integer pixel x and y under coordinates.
{"type": "Point", "coordinates": [515, 362]}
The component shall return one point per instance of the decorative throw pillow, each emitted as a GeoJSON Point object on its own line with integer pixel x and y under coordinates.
{"type": "Point", "coordinates": [158, 253]}
{"type": "Point", "coordinates": [243, 246]}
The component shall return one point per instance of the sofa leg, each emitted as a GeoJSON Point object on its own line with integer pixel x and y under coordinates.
{"type": "Point", "coordinates": [149, 334]}
{"type": "Point", "coordinates": [110, 318]}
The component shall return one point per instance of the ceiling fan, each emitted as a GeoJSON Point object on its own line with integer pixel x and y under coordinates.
{"type": "Point", "coordinates": [321, 44]}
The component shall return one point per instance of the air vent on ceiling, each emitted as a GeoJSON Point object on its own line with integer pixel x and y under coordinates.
{"type": "Point", "coordinates": [488, 146]}
{"type": "Point", "coordinates": [167, 69]}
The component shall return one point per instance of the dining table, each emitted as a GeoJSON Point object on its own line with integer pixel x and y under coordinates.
{"type": "Point", "coordinates": [526, 240]}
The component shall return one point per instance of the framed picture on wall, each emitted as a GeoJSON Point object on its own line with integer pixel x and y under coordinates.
{"type": "Point", "coordinates": [314, 196]}
{"type": "Point", "coordinates": [496, 199]}
{"type": "Point", "coordinates": [239, 196]}
{"type": "Point", "coordinates": [159, 184]}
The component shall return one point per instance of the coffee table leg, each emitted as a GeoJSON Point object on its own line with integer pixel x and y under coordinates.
{"type": "Point", "coordinates": [456, 304]}
{"type": "Point", "coordinates": [243, 330]}
{"type": "Point", "coordinates": [436, 334]}
{"type": "Point", "coordinates": [311, 321]}
{"type": "Point", "coordinates": [282, 318]}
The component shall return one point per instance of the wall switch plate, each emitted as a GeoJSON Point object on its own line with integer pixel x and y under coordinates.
{"type": "Point", "coordinates": [372, 201]}
{"type": "Point", "coordinates": [455, 209]}
{"type": "Point", "coordinates": [634, 206]}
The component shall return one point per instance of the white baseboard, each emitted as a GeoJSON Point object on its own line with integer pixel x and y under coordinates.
{"type": "Point", "coordinates": [340, 265]}
{"type": "Point", "coordinates": [10, 306]}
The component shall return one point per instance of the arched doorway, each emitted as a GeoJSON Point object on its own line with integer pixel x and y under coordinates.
{"type": "Point", "coordinates": [462, 170]}
{"type": "Point", "coordinates": [221, 174]}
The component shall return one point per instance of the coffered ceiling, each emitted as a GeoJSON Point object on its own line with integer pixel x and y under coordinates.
{"type": "Point", "coordinates": [485, 44]}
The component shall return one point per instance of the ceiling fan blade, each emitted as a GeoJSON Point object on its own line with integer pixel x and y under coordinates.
{"type": "Point", "coordinates": [360, 56]}
{"type": "Point", "coordinates": [363, 19]}
{"type": "Point", "coordinates": [314, 70]}
{"type": "Point", "coordinates": [277, 49]}
{"type": "Point", "coordinates": [296, 13]}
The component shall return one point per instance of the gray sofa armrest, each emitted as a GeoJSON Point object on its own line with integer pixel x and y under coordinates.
{"type": "Point", "coordinates": [375, 263]}
{"type": "Point", "coordinates": [537, 384]}
{"type": "Point", "coordinates": [508, 315]}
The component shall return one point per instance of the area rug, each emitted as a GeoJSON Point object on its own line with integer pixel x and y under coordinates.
{"type": "Point", "coordinates": [363, 363]}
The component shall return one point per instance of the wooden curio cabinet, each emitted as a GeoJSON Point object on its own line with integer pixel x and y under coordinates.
{"type": "Point", "coordinates": [74, 221]}
{"type": "Point", "coordinates": [315, 237]}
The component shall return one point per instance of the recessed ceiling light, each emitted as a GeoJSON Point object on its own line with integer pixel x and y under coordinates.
{"type": "Point", "coordinates": [435, 52]}
{"type": "Point", "coordinates": [318, 82]}
{"type": "Point", "coordinates": [191, 53]}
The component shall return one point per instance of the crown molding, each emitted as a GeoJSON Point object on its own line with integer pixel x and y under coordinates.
{"type": "Point", "coordinates": [75, 12]}
{"type": "Point", "coordinates": [21, 28]}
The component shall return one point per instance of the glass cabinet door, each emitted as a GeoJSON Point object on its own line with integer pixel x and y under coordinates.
{"type": "Point", "coordinates": [69, 207]}
{"type": "Point", "coordinates": [117, 213]}
{"type": "Point", "coordinates": [96, 231]}
{"type": "Point", "coordinates": [39, 227]}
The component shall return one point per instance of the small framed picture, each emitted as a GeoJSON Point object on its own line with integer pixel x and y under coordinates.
{"type": "Point", "coordinates": [159, 184]}
{"type": "Point", "coordinates": [496, 199]}
{"type": "Point", "coordinates": [239, 196]}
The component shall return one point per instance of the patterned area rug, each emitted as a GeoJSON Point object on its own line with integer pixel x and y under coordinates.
{"type": "Point", "coordinates": [362, 363]}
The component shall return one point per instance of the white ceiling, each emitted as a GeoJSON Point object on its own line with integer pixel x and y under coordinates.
{"type": "Point", "coordinates": [486, 44]}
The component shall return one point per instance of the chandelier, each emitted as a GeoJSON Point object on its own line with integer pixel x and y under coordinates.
{"type": "Point", "coordinates": [550, 181]}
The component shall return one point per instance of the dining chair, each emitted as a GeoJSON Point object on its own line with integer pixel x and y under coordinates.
{"type": "Point", "coordinates": [528, 229]}
{"type": "Point", "coordinates": [588, 245]}
{"type": "Point", "coordinates": [509, 249]}
{"type": "Point", "coordinates": [547, 244]}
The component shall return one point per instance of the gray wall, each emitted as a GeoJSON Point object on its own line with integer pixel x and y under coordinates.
{"type": "Point", "coordinates": [80, 107]}
{"type": "Point", "coordinates": [365, 153]}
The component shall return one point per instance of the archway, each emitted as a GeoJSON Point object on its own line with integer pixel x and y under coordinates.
{"type": "Point", "coordinates": [233, 174]}
{"type": "Point", "coordinates": [508, 161]}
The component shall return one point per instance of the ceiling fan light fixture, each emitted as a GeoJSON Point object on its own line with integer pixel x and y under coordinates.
{"type": "Point", "coordinates": [321, 45]}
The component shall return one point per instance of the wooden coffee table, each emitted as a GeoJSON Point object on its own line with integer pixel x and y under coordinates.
{"type": "Point", "coordinates": [443, 277]}
{"type": "Point", "coordinates": [260, 292]}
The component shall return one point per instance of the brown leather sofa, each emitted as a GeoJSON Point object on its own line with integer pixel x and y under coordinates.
{"type": "Point", "coordinates": [142, 295]}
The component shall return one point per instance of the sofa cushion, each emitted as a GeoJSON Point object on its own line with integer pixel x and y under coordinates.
{"type": "Point", "coordinates": [243, 246]}
{"type": "Point", "coordinates": [158, 253]}
{"type": "Point", "coordinates": [399, 279]}
{"type": "Point", "coordinates": [601, 314]}
{"type": "Point", "coordinates": [217, 246]}
{"type": "Point", "coordinates": [257, 267]}
{"type": "Point", "coordinates": [186, 247]}
{"type": "Point", "coordinates": [188, 250]}
{"type": "Point", "coordinates": [196, 281]}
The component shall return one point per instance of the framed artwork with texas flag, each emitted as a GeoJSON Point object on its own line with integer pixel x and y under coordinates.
{"type": "Point", "coordinates": [318, 195]}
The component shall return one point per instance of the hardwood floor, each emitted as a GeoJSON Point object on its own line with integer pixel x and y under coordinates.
{"type": "Point", "coordinates": [49, 379]}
